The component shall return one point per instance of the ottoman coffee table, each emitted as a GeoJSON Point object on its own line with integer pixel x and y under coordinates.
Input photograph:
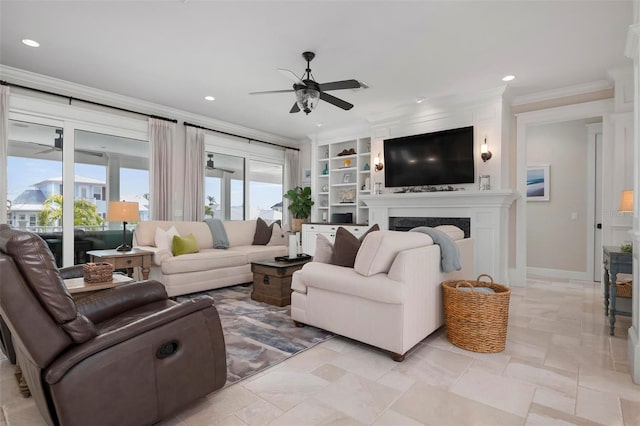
{"type": "Point", "coordinates": [272, 280]}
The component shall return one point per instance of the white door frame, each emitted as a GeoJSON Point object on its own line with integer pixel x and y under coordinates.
{"type": "Point", "coordinates": [547, 116]}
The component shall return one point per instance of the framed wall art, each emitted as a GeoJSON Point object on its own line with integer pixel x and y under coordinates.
{"type": "Point", "coordinates": [538, 183]}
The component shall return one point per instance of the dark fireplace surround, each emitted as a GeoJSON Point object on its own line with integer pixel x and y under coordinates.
{"type": "Point", "coordinates": [407, 223]}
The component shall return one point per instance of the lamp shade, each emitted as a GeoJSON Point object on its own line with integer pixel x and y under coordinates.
{"type": "Point", "coordinates": [626, 201]}
{"type": "Point", "coordinates": [123, 211]}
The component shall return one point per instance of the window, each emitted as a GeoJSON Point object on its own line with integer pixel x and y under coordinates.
{"type": "Point", "coordinates": [34, 178]}
{"type": "Point", "coordinates": [224, 188]}
{"type": "Point", "coordinates": [265, 190]}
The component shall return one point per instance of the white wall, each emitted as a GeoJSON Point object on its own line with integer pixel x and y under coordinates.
{"type": "Point", "coordinates": [556, 237]}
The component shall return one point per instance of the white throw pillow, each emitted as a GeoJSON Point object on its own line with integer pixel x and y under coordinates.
{"type": "Point", "coordinates": [278, 236]}
{"type": "Point", "coordinates": [324, 250]}
{"type": "Point", "coordinates": [164, 238]}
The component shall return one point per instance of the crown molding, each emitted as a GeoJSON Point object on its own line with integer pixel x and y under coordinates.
{"type": "Point", "coordinates": [562, 92]}
{"type": "Point", "coordinates": [443, 103]}
{"type": "Point", "coordinates": [51, 84]}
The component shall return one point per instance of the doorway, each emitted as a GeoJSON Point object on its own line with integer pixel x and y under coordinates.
{"type": "Point", "coordinates": [560, 199]}
{"type": "Point", "coordinates": [592, 112]}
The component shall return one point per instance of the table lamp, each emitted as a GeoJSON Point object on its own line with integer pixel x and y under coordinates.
{"type": "Point", "coordinates": [123, 211]}
{"type": "Point", "coordinates": [626, 201]}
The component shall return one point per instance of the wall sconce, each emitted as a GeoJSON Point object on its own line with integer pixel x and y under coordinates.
{"type": "Point", "coordinates": [626, 201]}
{"type": "Point", "coordinates": [377, 163]}
{"type": "Point", "coordinates": [485, 154]}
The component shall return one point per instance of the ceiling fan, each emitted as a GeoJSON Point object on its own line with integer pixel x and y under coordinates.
{"type": "Point", "coordinates": [308, 91]}
{"type": "Point", "coordinates": [57, 146]}
{"type": "Point", "coordinates": [211, 166]}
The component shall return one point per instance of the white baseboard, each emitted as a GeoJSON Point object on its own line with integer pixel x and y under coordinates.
{"type": "Point", "coordinates": [559, 273]}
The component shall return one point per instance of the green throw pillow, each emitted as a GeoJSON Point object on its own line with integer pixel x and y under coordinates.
{"type": "Point", "coordinates": [184, 245]}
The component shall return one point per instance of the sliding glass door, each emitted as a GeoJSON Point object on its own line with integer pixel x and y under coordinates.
{"type": "Point", "coordinates": [100, 168]}
{"type": "Point", "coordinates": [224, 187]}
{"type": "Point", "coordinates": [265, 190]}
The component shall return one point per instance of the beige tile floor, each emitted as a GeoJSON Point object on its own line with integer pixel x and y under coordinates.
{"type": "Point", "coordinates": [560, 367]}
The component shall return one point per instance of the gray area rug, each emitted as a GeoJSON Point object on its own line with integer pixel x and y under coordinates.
{"type": "Point", "coordinates": [257, 335]}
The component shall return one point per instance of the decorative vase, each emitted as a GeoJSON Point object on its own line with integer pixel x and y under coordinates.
{"type": "Point", "coordinates": [326, 169]}
{"type": "Point", "coordinates": [366, 167]}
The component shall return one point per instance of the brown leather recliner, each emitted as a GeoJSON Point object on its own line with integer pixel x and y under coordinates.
{"type": "Point", "coordinates": [125, 356]}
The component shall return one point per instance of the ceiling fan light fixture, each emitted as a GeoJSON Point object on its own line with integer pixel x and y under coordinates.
{"type": "Point", "coordinates": [307, 99]}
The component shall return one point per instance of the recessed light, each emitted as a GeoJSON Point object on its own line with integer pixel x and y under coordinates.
{"type": "Point", "coordinates": [30, 43]}
{"type": "Point", "coordinates": [210, 98]}
{"type": "Point", "coordinates": [319, 124]}
{"type": "Point", "coordinates": [419, 100]}
{"type": "Point", "coordinates": [508, 77]}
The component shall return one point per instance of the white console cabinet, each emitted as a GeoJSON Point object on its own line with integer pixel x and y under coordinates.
{"type": "Point", "coordinates": [311, 231]}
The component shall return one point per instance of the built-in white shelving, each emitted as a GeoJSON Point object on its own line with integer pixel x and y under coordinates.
{"type": "Point", "coordinates": [341, 178]}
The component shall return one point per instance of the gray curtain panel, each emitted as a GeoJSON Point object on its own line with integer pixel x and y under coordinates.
{"type": "Point", "coordinates": [193, 206]}
{"type": "Point", "coordinates": [161, 133]}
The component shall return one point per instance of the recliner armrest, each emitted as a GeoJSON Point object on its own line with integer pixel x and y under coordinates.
{"type": "Point", "coordinates": [66, 361]}
{"type": "Point", "coordinates": [99, 306]}
{"type": "Point", "coordinates": [75, 271]}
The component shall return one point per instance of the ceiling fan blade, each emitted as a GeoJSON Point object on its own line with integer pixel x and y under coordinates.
{"type": "Point", "coordinates": [294, 108]}
{"type": "Point", "coordinates": [271, 91]}
{"type": "Point", "coordinates": [335, 101]}
{"type": "Point", "coordinates": [290, 75]}
{"type": "Point", "coordinates": [338, 85]}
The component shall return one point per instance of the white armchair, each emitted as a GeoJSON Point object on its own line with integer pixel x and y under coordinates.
{"type": "Point", "coordinates": [391, 299]}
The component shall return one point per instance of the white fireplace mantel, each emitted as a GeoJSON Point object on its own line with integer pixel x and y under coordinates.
{"type": "Point", "coordinates": [488, 212]}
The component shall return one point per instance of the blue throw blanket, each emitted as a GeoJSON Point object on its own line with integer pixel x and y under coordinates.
{"type": "Point", "coordinates": [448, 248]}
{"type": "Point", "coordinates": [219, 234]}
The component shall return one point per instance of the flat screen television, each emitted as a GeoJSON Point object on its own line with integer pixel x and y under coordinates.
{"type": "Point", "coordinates": [439, 158]}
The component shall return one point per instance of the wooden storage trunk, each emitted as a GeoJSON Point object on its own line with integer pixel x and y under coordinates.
{"type": "Point", "coordinates": [272, 281]}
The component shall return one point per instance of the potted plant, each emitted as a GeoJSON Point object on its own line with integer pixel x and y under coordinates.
{"type": "Point", "coordinates": [300, 206]}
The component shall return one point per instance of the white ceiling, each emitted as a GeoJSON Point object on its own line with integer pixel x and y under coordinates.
{"type": "Point", "coordinates": [176, 52]}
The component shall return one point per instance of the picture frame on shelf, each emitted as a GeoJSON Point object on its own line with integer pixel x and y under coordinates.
{"type": "Point", "coordinates": [346, 178]}
{"type": "Point", "coordinates": [538, 182]}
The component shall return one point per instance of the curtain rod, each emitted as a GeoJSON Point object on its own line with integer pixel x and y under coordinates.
{"type": "Point", "coordinates": [238, 136]}
{"type": "Point", "coordinates": [71, 98]}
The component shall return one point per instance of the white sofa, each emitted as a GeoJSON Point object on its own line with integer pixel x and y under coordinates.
{"type": "Point", "coordinates": [209, 268]}
{"type": "Point", "coordinates": [391, 299]}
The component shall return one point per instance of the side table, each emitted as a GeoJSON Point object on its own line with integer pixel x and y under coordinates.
{"type": "Point", "coordinates": [615, 261]}
{"type": "Point", "coordinates": [272, 281]}
{"type": "Point", "coordinates": [124, 260]}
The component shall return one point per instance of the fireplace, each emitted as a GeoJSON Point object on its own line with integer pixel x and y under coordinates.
{"type": "Point", "coordinates": [482, 215]}
{"type": "Point", "coordinates": [407, 223]}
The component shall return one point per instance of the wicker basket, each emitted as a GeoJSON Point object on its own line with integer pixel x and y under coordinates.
{"type": "Point", "coordinates": [97, 272]}
{"type": "Point", "coordinates": [476, 321]}
{"type": "Point", "coordinates": [624, 289]}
